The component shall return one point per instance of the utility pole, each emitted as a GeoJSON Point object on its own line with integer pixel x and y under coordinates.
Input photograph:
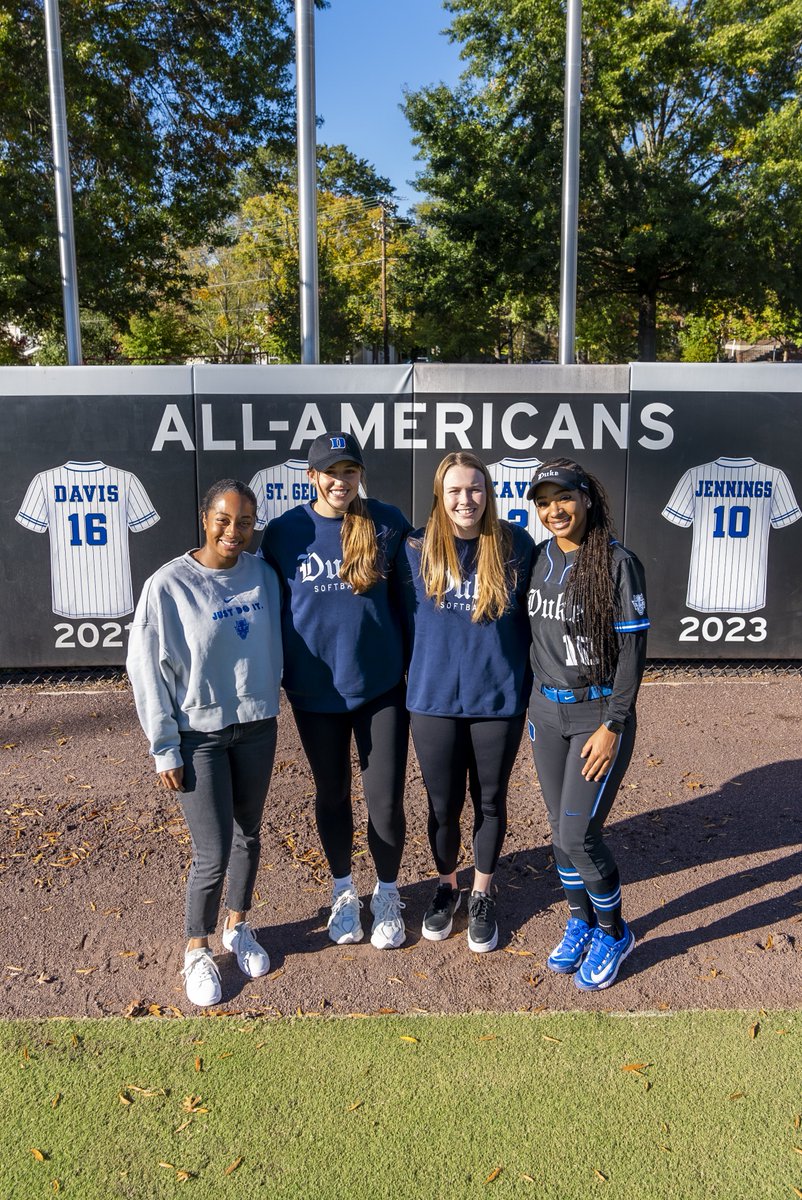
{"type": "Point", "coordinates": [307, 178]}
{"type": "Point", "coordinates": [570, 198]}
{"type": "Point", "coordinates": [61, 163]}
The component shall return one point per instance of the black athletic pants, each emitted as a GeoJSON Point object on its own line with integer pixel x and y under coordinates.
{"type": "Point", "coordinates": [453, 751]}
{"type": "Point", "coordinates": [577, 808]}
{"type": "Point", "coordinates": [380, 730]}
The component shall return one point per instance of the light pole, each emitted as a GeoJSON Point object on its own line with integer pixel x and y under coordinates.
{"type": "Point", "coordinates": [61, 163]}
{"type": "Point", "coordinates": [570, 197]}
{"type": "Point", "coordinates": [307, 178]}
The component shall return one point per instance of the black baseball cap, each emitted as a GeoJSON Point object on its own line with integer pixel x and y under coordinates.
{"type": "Point", "coordinates": [562, 476]}
{"type": "Point", "coordinates": [331, 448]}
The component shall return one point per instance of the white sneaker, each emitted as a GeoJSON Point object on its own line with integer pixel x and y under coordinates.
{"type": "Point", "coordinates": [388, 932]}
{"type": "Point", "coordinates": [345, 924]}
{"type": "Point", "coordinates": [252, 959]}
{"type": "Point", "coordinates": [201, 977]}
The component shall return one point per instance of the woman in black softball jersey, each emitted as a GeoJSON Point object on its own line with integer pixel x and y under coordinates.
{"type": "Point", "coordinates": [587, 610]}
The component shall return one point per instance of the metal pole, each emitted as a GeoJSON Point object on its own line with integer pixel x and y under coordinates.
{"type": "Point", "coordinates": [307, 178]}
{"type": "Point", "coordinates": [385, 324]}
{"type": "Point", "coordinates": [61, 161]}
{"type": "Point", "coordinates": [570, 198]}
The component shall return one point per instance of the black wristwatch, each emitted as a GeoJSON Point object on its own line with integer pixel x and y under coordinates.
{"type": "Point", "coordinates": [614, 726]}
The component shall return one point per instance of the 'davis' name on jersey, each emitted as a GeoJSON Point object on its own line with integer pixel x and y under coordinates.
{"type": "Point", "coordinates": [734, 489]}
{"type": "Point", "coordinates": [86, 493]}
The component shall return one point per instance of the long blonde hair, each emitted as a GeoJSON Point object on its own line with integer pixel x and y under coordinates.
{"type": "Point", "coordinates": [495, 570]}
{"type": "Point", "coordinates": [361, 566]}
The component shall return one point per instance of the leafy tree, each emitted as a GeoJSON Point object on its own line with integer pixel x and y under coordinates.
{"type": "Point", "coordinates": [248, 300]}
{"type": "Point", "coordinates": [161, 336]}
{"type": "Point", "coordinates": [690, 183]}
{"type": "Point", "coordinates": [165, 102]}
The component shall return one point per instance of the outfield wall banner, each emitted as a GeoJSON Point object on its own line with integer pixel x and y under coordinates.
{"type": "Point", "coordinates": [713, 507]}
{"type": "Point", "coordinates": [515, 418]}
{"type": "Point", "coordinates": [257, 423]}
{"type": "Point", "coordinates": [78, 467]}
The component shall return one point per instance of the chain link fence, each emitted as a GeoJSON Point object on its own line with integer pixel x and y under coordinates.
{"type": "Point", "coordinates": [656, 668]}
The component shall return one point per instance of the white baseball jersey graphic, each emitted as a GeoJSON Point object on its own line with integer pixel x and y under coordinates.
{"type": "Point", "coordinates": [733, 504]}
{"type": "Point", "coordinates": [511, 478]}
{"type": "Point", "coordinates": [282, 487]}
{"type": "Point", "coordinates": [88, 508]}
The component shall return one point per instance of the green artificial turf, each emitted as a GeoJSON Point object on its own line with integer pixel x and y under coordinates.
{"type": "Point", "coordinates": [553, 1105]}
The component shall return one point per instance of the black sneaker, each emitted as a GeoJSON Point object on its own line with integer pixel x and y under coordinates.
{"type": "Point", "coordinates": [439, 916]}
{"type": "Point", "coordinates": [482, 927]}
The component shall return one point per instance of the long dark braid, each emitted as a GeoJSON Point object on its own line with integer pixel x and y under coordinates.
{"type": "Point", "coordinates": [590, 601]}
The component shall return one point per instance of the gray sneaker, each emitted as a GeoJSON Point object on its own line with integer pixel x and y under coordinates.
{"type": "Point", "coordinates": [345, 924]}
{"type": "Point", "coordinates": [389, 931]}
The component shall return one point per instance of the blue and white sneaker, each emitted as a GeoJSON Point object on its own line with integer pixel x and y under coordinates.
{"type": "Point", "coordinates": [603, 959]}
{"type": "Point", "coordinates": [567, 956]}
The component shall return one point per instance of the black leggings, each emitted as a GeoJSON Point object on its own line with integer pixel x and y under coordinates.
{"type": "Point", "coordinates": [453, 752]}
{"type": "Point", "coordinates": [380, 730]}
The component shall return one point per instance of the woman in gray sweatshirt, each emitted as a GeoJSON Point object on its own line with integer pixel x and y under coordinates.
{"type": "Point", "coordinates": [204, 659]}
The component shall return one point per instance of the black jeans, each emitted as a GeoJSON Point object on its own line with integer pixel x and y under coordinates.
{"type": "Point", "coordinates": [226, 777]}
{"type": "Point", "coordinates": [380, 730]}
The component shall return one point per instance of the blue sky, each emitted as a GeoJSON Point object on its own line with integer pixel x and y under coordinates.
{"type": "Point", "coordinates": [367, 51]}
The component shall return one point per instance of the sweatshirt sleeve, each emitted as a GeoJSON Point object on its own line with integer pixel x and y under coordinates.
{"type": "Point", "coordinates": [153, 682]}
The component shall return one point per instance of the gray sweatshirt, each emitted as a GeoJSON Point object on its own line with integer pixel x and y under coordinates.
{"type": "Point", "coordinates": [204, 650]}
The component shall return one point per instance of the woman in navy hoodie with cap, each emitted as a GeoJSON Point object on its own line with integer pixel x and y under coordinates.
{"type": "Point", "coordinates": [344, 672]}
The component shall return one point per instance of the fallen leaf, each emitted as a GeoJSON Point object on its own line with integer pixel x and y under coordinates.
{"type": "Point", "coordinates": [520, 953]}
{"type": "Point", "coordinates": [405, 1037]}
{"type": "Point", "coordinates": [546, 1038]}
{"type": "Point", "coordinates": [494, 1174]}
{"type": "Point", "coordinates": [797, 1192]}
{"type": "Point", "coordinates": [488, 1037]}
{"type": "Point", "coordinates": [169, 1166]}
{"type": "Point", "coordinates": [54, 1103]}
{"type": "Point", "coordinates": [797, 1149]}
{"type": "Point", "coordinates": [737, 1095]}
{"type": "Point", "coordinates": [387, 1012]}
{"type": "Point", "coordinates": [198, 1064]}
{"type": "Point", "coordinates": [192, 1104]}
{"type": "Point", "coordinates": [231, 1168]}
{"type": "Point", "coordinates": [797, 1121]}
{"type": "Point", "coordinates": [599, 1175]}
{"type": "Point", "coordinates": [56, 1186]}
{"type": "Point", "coordinates": [769, 942]}
{"type": "Point", "coordinates": [183, 1176]}
{"type": "Point", "coordinates": [38, 1155]}
{"type": "Point", "coordinates": [529, 1179]}
{"type": "Point", "coordinates": [637, 1066]}
{"type": "Point", "coordinates": [355, 1106]}
{"type": "Point", "coordinates": [754, 1030]}
{"type": "Point", "coordinates": [227, 1054]}
{"type": "Point", "coordinates": [184, 1125]}
{"type": "Point", "coordinates": [121, 1096]}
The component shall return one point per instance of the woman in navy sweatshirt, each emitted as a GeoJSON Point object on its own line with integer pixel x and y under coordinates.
{"type": "Point", "coordinates": [342, 631]}
{"type": "Point", "coordinates": [466, 578]}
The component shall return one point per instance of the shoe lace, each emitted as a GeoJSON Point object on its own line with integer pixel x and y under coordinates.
{"type": "Point", "coordinates": [388, 905]}
{"type": "Point", "coordinates": [202, 967]}
{"type": "Point", "coordinates": [599, 949]}
{"type": "Point", "coordinates": [343, 900]}
{"type": "Point", "coordinates": [247, 942]}
{"type": "Point", "coordinates": [575, 933]}
{"type": "Point", "coordinates": [443, 897]}
{"type": "Point", "coordinates": [481, 907]}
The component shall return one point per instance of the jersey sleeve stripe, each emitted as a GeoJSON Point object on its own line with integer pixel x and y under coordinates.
{"type": "Point", "coordinates": [677, 518]}
{"type": "Point", "coordinates": [793, 514]}
{"type": "Point", "coordinates": [149, 518]}
{"type": "Point", "coordinates": [31, 522]}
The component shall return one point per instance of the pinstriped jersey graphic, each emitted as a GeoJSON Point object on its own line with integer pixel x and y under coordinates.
{"type": "Point", "coordinates": [733, 504]}
{"type": "Point", "coordinates": [88, 509]}
{"type": "Point", "coordinates": [511, 478]}
{"type": "Point", "coordinates": [280, 488]}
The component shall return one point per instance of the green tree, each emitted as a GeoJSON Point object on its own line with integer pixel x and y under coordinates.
{"type": "Point", "coordinates": [165, 103]}
{"type": "Point", "coordinates": [690, 185]}
{"type": "Point", "coordinates": [248, 299]}
{"type": "Point", "coordinates": [161, 336]}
